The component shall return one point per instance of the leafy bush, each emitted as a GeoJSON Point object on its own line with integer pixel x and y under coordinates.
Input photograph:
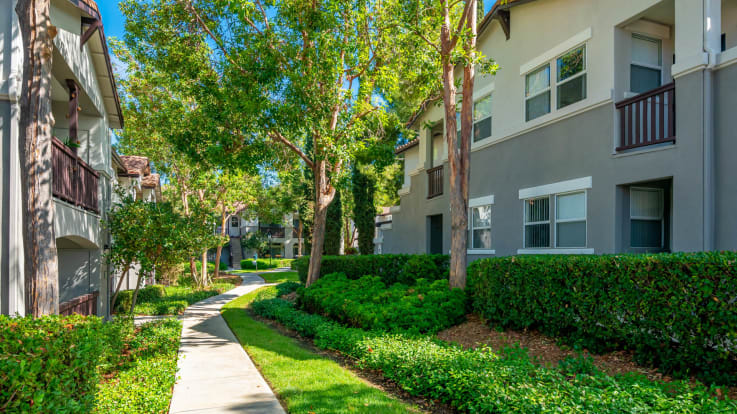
{"type": "Point", "coordinates": [210, 266]}
{"type": "Point", "coordinates": [675, 311]}
{"type": "Point", "coordinates": [387, 266]}
{"type": "Point", "coordinates": [146, 294]}
{"type": "Point", "coordinates": [263, 264]}
{"type": "Point", "coordinates": [492, 382]}
{"type": "Point", "coordinates": [368, 303]}
{"type": "Point", "coordinates": [169, 300]}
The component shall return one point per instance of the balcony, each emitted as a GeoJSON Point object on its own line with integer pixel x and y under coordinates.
{"type": "Point", "coordinates": [275, 231]}
{"type": "Point", "coordinates": [435, 182]}
{"type": "Point", "coordinates": [73, 180]}
{"type": "Point", "coordinates": [648, 118]}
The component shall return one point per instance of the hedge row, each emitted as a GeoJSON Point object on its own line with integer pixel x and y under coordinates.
{"type": "Point", "coordinates": [675, 311]}
{"type": "Point", "coordinates": [368, 303]}
{"type": "Point", "coordinates": [247, 264]}
{"type": "Point", "coordinates": [491, 382]}
{"type": "Point", "coordinates": [391, 268]}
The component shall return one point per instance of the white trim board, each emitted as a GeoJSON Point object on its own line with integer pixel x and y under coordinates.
{"type": "Point", "coordinates": [556, 51]}
{"type": "Point", "coordinates": [481, 201]}
{"type": "Point", "coordinates": [479, 252]}
{"type": "Point", "coordinates": [555, 251]}
{"type": "Point", "coordinates": [555, 188]}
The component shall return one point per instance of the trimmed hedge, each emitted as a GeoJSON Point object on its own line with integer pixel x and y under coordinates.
{"type": "Point", "coordinates": [368, 303]}
{"type": "Point", "coordinates": [263, 264]}
{"type": "Point", "coordinates": [391, 268]}
{"type": "Point", "coordinates": [489, 381]}
{"type": "Point", "coordinates": [675, 311]}
{"type": "Point", "coordinates": [146, 294]}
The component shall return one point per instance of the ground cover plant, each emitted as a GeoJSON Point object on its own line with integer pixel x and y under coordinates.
{"type": "Point", "coordinates": [279, 277]}
{"type": "Point", "coordinates": [369, 303]}
{"type": "Point", "coordinates": [303, 380]}
{"type": "Point", "coordinates": [391, 268]}
{"type": "Point", "coordinates": [144, 381]}
{"type": "Point", "coordinates": [62, 364]}
{"type": "Point", "coordinates": [247, 264]}
{"type": "Point", "coordinates": [674, 311]}
{"type": "Point", "coordinates": [172, 300]}
{"type": "Point", "coordinates": [486, 380]}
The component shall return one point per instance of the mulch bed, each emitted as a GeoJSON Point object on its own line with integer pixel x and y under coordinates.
{"type": "Point", "coordinates": [545, 350]}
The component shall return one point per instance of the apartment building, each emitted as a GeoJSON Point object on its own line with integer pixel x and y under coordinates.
{"type": "Point", "coordinates": [85, 108]}
{"type": "Point", "coordinates": [609, 128]}
{"type": "Point", "coordinates": [285, 237]}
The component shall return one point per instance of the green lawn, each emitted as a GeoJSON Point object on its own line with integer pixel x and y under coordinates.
{"type": "Point", "coordinates": [305, 381]}
{"type": "Point", "coordinates": [279, 277]}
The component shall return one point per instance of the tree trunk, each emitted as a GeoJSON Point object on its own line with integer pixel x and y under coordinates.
{"type": "Point", "coordinates": [135, 292]}
{"type": "Point", "coordinates": [324, 194]}
{"type": "Point", "coordinates": [193, 269]}
{"type": "Point", "coordinates": [36, 121]}
{"type": "Point", "coordinates": [219, 250]}
{"type": "Point", "coordinates": [299, 238]}
{"type": "Point", "coordinates": [204, 269]}
{"type": "Point", "coordinates": [120, 283]}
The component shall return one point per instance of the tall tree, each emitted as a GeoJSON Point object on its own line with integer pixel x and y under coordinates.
{"type": "Point", "coordinates": [290, 72]}
{"type": "Point", "coordinates": [36, 121]}
{"type": "Point", "coordinates": [453, 47]}
{"type": "Point", "coordinates": [334, 226]}
{"type": "Point", "coordinates": [364, 210]}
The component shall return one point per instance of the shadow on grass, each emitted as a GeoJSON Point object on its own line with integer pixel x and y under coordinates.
{"type": "Point", "coordinates": [305, 381]}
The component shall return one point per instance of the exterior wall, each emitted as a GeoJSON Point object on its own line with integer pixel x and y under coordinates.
{"type": "Point", "coordinates": [726, 154]}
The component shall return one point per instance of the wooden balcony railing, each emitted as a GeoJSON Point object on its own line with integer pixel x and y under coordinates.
{"type": "Point", "coordinates": [435, 181]}
{"type": "Point", "coordinates": [648, 118]}
{"type": "Point", "coordinates": [276, 232]}
{"type": "Point", "coordinates": [73, 180]}
{"type": "Point", "coordinates": [83, 305]}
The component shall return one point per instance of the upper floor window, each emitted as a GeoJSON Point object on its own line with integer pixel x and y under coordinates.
{"type": "Point", "coordinates": [537, 93]}
{"type": "Point", "coordinates": [646, 71]}
{"type": "Point", "coordinates": [481, 119]}
{"type": "Point", "coordinates": [234, 221]}
{"type": "Point", "coordinates": [480, 227]}
{"type": "Point", "coordinates": [571, 77]}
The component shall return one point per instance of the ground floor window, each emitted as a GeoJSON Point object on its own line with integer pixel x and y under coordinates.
{"type": "Point", "coordinates": [646, 217]}
{"type": "Point", "coordinates": [567, 229]}
{"type": "Point", "coordinates": [537, 222]}
{"type": "Point", "coordinates": [480, 228]}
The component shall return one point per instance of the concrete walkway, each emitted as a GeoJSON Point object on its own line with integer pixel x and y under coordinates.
{"type": "Point", "coordinates": [216, 374]}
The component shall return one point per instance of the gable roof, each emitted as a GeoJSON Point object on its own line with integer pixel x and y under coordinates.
{"type": "Point", "coordinates": [136, 165]}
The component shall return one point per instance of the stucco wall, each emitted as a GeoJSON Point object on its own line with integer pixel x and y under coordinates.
{"type": "Point", "coordinates": [725, 123]}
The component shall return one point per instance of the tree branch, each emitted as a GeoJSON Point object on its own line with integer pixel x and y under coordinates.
{"type": "Point", "coordinates": [276, 135]}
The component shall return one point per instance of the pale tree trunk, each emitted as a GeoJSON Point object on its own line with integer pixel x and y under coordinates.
{"type": "Point", "coordinates": [185, 203]}
{"type": "Point", "coordinates": [135, 292]}
{"type": "Point", "coordinates": [458, 149]}
{"type": "Point", "coordinates": [36, 121]}
{"type": "Point", "coordinates": [123, 276]}
{"type": "Point", "coordinates": [204, 270]}
{"type": "Point", "coordinates": [324, 194]}
{"type": "Point", "coordinates": [299, 237]}
{"type": "Point", "coordinates": [219, 250]}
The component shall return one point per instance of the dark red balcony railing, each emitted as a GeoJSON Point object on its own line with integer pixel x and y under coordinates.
{"type": "Point", "coordinates": [73, 180]}
{"type": "Point", "coordinates": [83, 305]}
{"type": "Point", "coordinates": [648, 118]}
{"type": "Point", "coordinates": [435, 181]}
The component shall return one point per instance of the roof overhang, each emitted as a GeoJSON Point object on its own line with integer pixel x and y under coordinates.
{"type": "Point", "coordinates": [402, 148]}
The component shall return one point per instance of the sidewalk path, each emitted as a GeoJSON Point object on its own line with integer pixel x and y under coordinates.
{"type": "Point", "coordinates": [216, 374]}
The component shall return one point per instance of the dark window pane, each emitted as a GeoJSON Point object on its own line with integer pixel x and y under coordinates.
{"type": "Point", "coordinates": [644, 79]}
{"type": "Point", "coordinates": [646, 233]}
{"type": "Point", "coordinates": [482, 129]}
{"type": "Point", "coordinates": [481, 239]}
{"type": "Point", "coordinates": [572, 91]}
{"type": "Point", "coordinates": [537, 235]}
{"type": "Point", "coordinates": [538, 106]}
{"type": "Point", "coordinates": [571, 234]}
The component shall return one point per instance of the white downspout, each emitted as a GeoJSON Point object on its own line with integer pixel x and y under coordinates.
{"type": "Point", "coordinates": [712, 45]}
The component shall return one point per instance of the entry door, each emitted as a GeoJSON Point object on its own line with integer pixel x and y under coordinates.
{"type": "Point", "coordinates": [436, 234]}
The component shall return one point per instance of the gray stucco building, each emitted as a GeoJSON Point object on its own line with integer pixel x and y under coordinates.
{"type": "Point", "coordinates": [609, 128]}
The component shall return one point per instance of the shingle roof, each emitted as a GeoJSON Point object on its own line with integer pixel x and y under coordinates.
{"type": "Point", "coordinates": [150, 181]}
{"type": "Point", "coordinates": [400, 149]}
{"type": "Point", "coordinates": [136, 164]}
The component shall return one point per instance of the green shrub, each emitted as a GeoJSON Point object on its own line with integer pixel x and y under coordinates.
{"type": "Point", "coordinates": [151, 292]}
{"type": "Point", "coordinates": [263, 264]}
{"type": "Point", "coordinates": [53, 363]}
{"type": "Point", "coordinates": [485, 381]}
{"type": "Point", "coordinates": [387, 266]}
{"type": "Point", "coordinates": [675, 311]}
{"type": "Point", "coordinates": [368, 303]}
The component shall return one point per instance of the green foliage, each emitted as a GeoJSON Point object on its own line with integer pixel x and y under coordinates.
{"type": "Point", "coordinates": [388, 267]}
{"type": "Point", "coordinates": [153, 357]}
{"type": "Point", "coordinates": [262, 264]}
{"type": "Point", "coordinates": [364, 210]}
{"type": "Point", "coordinates": [493, 381]}
{"type": "Point", "coordinates": [674, 311]}
{"type": "Point", "coordinates": [210, 266]}
{"type": "Point", "coordinates": [334, 226]}
{"type": "Point", "coordinates": [169, 300]}
{"type": "Point", "coordinates": [370, 304]}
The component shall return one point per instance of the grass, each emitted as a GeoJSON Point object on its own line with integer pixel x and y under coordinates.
{"type": "Point", "coordinates": [144, 380]}
{"type": "Point", "coordinates": [279, 277]}
{"type": "Point", "coordinates": [305, 382]}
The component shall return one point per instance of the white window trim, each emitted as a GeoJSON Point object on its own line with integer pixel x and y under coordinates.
{"type": "Point", "coordinates": [549, 89]}
{"type": "Point", "coordinates": [555, 251]}
{"type": "Point", "coordinates": [474, 122]}
{"type": "Point", "coordinates": [483, 93]}
{"type": "Point", "coordinates": [583, 183]}
{"type": "Point", "coordinates": [476, 203]}
{"type": "Point", "coordinates": [556, 51]}
{"type": "Point", "coordinates": [585, 219]}
{"type": "Point", "coordinates": [660, 67]}
{"type": "Point", "coordinates": [480, 252]}
{"type": "Point", "coordinates": [481, 201]}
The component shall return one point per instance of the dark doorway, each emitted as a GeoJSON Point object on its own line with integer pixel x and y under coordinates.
{"type": "Point", "coordinates": [435, 226]}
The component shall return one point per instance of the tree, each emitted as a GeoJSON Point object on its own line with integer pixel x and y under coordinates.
{"type": "Point", "coordinates": [364, 210]}
{"type": "Point", "coordinates": [334, 227]}
{"type": "Point", "coordinates": [287, 73]}
{"type": "Point", "coordinates": [36, 121]}
{"type": "Point", "coordinates": [454, 45]}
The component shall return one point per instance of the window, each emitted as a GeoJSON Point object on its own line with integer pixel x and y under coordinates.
{"type": "Point", "coordinates": [647, 64]}
{"type": "Point", "coordinates": [234, 221]}
{"type": "Point", "coordinates": [570, 220]}
{"type": "Point", "coordinates": [724, 42]}
{"type": "Point", "coordinates": [571, 85]}
{"type": "Point", "coordinates": [481, 119]}
{"type": "Point", "coordinates": [480, 227]}
{"type": "Point", "coordinates": [646, 217]}
{"type": "Point", "coordinates": [537, 93]}
{"type": "Point", "coordinates": [537, 222]}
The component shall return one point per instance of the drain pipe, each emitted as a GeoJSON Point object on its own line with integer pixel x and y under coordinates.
{"type": "Point", "coordinates": [712, 45]}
